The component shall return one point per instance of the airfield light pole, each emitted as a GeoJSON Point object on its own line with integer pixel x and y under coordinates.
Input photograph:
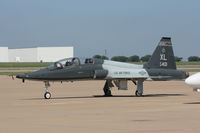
{"type": "Point", "coordinates": [105, 52]}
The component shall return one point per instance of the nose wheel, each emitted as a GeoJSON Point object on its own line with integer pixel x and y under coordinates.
{"type": "Point", "coordinates": [47, 94]}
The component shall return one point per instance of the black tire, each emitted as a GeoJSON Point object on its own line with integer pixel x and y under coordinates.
{"type": "Point", "coordinates": [47, 95]}
{"type": "Point", "coordinates": [108, 93]}
{"type": "Point", "coordinates": [138, 94]}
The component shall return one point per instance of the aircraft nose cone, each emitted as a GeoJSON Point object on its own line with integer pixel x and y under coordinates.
{"type": "Point", "coordinates": [193, 80]}
{"type": "Point", "coordinates": [188, 81]}
{"type": "Point", "coordinates": [21, 76]}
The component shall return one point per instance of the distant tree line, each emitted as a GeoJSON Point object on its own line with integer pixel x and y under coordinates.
{"type": "Point", "coordinates": [193, 58]}
{"type": "Point", "coordinates": [136, 58]}
{"type": "Point", "coordinates": [133, 58]}
{"type": "Point", "coordinates": [100, 57]}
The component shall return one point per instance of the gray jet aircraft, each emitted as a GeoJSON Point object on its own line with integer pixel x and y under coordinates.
{"type": "Point", "coordinates": [160, 67]}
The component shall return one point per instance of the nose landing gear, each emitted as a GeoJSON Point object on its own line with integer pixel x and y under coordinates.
{"type": "Point", "coordinates": [47, 94]}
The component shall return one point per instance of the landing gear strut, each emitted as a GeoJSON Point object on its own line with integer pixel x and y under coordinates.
{"type": "Point", "coordinates": [106, 89]}
{"type": "Point", "coordinates": [139, 90]}
{"type": "Point", "coordinates": [47, 94]}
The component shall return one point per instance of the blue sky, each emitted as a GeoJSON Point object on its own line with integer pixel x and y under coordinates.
{"type": "Point", "coordinates": [122, 27]}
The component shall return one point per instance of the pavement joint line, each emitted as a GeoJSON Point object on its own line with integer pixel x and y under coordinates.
{"type": "Point", "coordinates": [164, 130]}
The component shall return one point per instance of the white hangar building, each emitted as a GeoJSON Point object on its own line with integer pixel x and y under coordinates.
{"type": "Point", "coordinates": [38, 54]}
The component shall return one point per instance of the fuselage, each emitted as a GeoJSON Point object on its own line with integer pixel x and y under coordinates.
{"type": "Point", "coordinates": [101, 70]}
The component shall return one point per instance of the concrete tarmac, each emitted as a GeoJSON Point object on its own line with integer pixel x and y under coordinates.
{"type": "Point", "coordinates": [78, 107]}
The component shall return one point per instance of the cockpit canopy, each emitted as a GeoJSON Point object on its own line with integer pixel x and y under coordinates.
{"type": "Point", "coordinates": [67, 62]}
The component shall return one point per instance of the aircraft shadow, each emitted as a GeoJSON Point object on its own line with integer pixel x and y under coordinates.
{"type": "Point", "coordinates": [193, 103]}
{"type": "Point", "coordinates": [114, 96]}
{"type": "Point", "coordinates": [163, 95]}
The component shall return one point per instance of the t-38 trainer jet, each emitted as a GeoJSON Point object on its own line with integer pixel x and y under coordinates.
{"type": "Point", "coordinates": [160, 67]}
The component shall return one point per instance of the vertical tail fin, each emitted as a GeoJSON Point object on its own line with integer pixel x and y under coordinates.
{"type": "Point", "coordinates": [163, 56]}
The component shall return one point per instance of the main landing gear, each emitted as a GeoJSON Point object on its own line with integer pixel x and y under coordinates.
{"type": "Point", "coordinates": [47, 94]}
{"type": "Point", "coordinates": [106, 89]}
{"type": "Point", "coordinates": [139, 90]}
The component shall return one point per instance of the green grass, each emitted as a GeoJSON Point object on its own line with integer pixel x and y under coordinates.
{"type": "Point", "coordinates": [138, 63]}
{"type": "Point", "coordinates": [11, 73]}
{"type": "Point", "coordinates": [180, 65]}
{"type": "Point", "coordinates": [21, 65]}
{"type": "Point", "coordinates": [177, 63]}
{"type": "Point", "coordinates": [191, 70]}
{"type": "Point", "coordinates": [187, 63]}
{"type": "Point", "coordinates": [36, 64]}
{"type": "Point", "coordinates": [188, 66]}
